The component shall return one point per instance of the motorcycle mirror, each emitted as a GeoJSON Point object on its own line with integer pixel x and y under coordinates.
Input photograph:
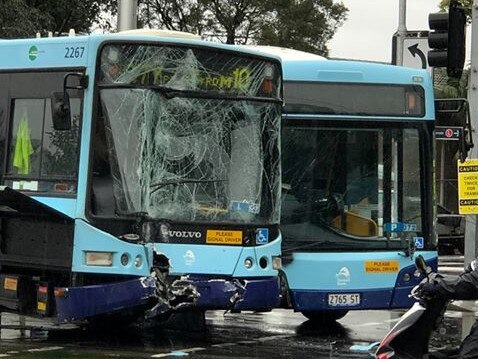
{"type": "Point", "coordinates": [421, 264]}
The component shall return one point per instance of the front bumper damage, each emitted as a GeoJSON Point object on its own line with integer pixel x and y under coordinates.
{"type": "Point", "coordinates": [151, 296]}
{"type": "Point", "coordinates": [233, 294]}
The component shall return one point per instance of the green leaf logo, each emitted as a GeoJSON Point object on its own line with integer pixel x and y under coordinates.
{"type": "Point", "coordinates": [33, 53]}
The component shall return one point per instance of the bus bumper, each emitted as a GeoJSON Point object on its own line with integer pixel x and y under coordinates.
{"type": "Point", "coordinates": [148, 296]}
{"type": "Point", "coordinates": [379, 298]}
{"type": "Point", "coordinates": [234, 294]}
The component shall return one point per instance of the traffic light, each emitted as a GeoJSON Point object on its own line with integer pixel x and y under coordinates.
{"type": "Point", "coordinates": [447, 40]}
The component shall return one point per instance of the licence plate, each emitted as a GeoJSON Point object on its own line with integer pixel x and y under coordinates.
{"type": "Point", "coordinates": [344, 300]}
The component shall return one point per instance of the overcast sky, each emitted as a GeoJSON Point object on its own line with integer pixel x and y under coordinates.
{"type": "Point", "coordinates": [367, 33]}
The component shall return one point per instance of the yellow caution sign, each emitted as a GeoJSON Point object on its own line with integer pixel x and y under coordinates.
{"type": "Point", "coordinates": [41, 306]}
{"type": "Point", "coordinates": [381, 266]}
{"type": "Point", "coordinates": [468, 187]}
{"type": "Point", "coordinates": [214, 236]}
{"type": "Point", "coordinates": [10, 283]}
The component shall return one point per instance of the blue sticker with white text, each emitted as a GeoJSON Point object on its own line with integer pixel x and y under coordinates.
{"type": "Point", "coordinates": [400, 227]}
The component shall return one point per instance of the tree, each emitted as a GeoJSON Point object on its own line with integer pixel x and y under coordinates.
{"type": "Point", "coordinates": [305, 25]}
{"type": "Point", "coordinates": [18, 20]}
{"type": "Point", "coordinates": [24, 18]}
{"type": "Point", "coordinates": [467, 4]}
{"type": "Point", "coordinates": [178, 15]}
{"type": "Point", "coordinates": [239, 20]}
{"type": "Point", "coordinates": [301, 24]}
{"type": "Point", "coordinates": [446, 87]}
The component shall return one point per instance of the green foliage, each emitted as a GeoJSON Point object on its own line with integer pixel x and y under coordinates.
{"type": "Point", "coordinates": [467, 4]}
{"type": "Point", "coordinates": [447, 87]}
{"type": "Point", "coordinates": [24, 18]}
{"type": "Point", "coordinates": [305, 25]}
{"type": "Point", "coordinates": [178, 15]}
{"type": "Point", "coordinates": [300, 24]}
{"type": "Point", "coordinates": [18, 20]}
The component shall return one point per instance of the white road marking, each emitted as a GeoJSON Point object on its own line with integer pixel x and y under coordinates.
{"type": "Point", "coordinates": [188, 350]}
{"type": "Point", "coordinates": [46, 349]}
{"type": "Point", "coordinates": [223, 345]}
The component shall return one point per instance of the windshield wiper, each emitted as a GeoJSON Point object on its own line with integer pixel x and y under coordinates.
{"type": "Point", "coordinates": [320, 244]}
{"type": "Point", "coordinates": [162, 184]}
{"type": "Point", "coordinates": [140, 215]}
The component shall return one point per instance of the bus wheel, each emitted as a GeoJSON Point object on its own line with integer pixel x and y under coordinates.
{"type": "Point", "coordinates": [325, 316]}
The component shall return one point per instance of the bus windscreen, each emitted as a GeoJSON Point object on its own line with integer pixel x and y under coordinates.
{"type": "Point", "coordinates": [349, 99]}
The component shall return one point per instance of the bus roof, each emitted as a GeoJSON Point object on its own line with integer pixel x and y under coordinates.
{"type": "Point", "coordinates": [352, 71]}
{"type": "Point", "coordinates": [300, 66]}
{"type": "Point", "coordinates": [286, 54]}
{"type": "Point", "coordinates": [53, 52]}
{"type": "Point", "coordinates": [304, 66]}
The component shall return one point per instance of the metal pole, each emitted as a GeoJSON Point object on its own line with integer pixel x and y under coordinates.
{"type": "Point", "coordinates": [127, 14]}
{"type": "Point", "coordinates": [402, 30]}
{"type": "Point", "coordinates": [471, 220]}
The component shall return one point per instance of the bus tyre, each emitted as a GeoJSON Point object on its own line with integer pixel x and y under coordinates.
{"type": "Point", "coordinates": [324, 316]}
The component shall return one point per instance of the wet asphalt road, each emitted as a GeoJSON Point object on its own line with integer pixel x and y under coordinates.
{"type": "Point", "coordinates": [279, 334]}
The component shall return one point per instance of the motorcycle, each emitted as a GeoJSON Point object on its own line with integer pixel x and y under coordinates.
{"type": "Point", "coordinates": [410, 337]}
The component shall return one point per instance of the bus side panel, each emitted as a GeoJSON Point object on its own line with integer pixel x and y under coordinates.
{"type": "Point", "coordinates": [33, 235]}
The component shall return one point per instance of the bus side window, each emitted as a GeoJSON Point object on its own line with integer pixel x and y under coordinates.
{"type": "Point", "coordinates": [39, 154]}
{"type": "Point", "coordinates": [26, 137]}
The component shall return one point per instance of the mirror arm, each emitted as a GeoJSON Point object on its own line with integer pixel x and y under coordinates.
{"type": "Point", "coordinates": [83, 81]}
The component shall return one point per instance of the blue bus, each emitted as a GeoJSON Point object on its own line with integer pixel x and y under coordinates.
{"type": "Point", "coordinates": [357, 184]}
{"type": "Point", "coordinates": [140, 174]}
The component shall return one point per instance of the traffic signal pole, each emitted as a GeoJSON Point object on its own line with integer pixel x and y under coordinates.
{"type": "Point", "coordinates": [402, 30]}
{"type": "Point", "coordinates": [472, 220]}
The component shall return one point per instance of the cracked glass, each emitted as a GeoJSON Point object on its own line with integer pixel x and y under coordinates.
{"type": "Point", "coordinates": [187, 134]}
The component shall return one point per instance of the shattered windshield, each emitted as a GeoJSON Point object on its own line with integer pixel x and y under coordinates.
{"type": "Point", "coordinates": [180, 137]}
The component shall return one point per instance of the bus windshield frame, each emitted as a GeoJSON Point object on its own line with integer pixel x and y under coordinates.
{"type": "Point", "coordinates": [194, 138]}
{"type": "Point", "coordinates": [357, 199]}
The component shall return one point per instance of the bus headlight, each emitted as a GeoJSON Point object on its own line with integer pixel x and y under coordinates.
{"type": "Point", "coordinates": [138, 261]}
{"type": "Point", "coordinates": [276, 262]}
{"type": "Point", "coordinates": [104, 259]}
{"type": "Point", "coordinates": [248, 263]}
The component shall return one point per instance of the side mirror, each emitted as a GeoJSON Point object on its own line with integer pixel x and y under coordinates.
{"type": "Point", "coordinates": [60, 111]}
{"type": "Point", "coordinates": [421, 264]}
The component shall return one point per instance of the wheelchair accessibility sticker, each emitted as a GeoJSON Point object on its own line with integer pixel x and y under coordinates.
{"type": "Point", "coordinates": [262, 236]}
{"type": "Point", "coordinates": [419, 242]}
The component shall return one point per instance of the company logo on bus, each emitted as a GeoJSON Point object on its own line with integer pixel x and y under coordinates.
{"type": "Point", "coordinates": [185, 234]}
{"type": "Point", "coordinates": [33, 53]}
{"type": "Point", "coordinates": [343, 276]}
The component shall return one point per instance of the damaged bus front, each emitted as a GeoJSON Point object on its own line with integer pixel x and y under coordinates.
{"type": "Point", "coordinates": [155, 164]}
